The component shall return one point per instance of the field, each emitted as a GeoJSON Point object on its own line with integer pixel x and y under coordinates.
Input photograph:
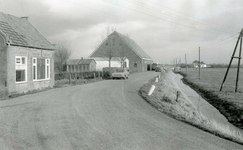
{"type": "Point", "coordinates": [228, 102]}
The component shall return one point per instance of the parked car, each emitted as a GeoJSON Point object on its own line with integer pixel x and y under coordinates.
{"type": "Point", "coordinates": [120, 73]}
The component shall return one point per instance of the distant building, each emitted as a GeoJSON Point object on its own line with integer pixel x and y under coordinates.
{"type": "Point", "coordinates": [138, 59]}
{"type": "Point", "coordinates": [81, 65]}
{"type": "Point", "coordinates": [26, 57]}
{"type": "Point", "coordinates": [196, 64]}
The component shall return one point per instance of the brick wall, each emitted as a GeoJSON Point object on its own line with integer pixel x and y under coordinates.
{"type": "Point", "coordinates": [3, 65]}
{"type": "Point", "coordinates": [30, 85]}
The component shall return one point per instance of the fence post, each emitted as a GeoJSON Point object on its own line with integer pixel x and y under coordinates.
{"type": "Point", "coordinates": [69, 78]}
{"type": "Point", "coordinates": [151, 90]}
{"type": "Point", "coordinates": [177, 95]}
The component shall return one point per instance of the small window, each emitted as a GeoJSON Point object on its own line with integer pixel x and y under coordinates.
{"type": "Point", "coordinates": [23, 60]}
{"type": "Point", "coordinates": [34, 60]}
{"type": "Point", "coordinates": [135, 64]}
{"type": "Point", "coordinates": [18, 60]}
{"type": "Point", "coordinates": [34, 70]}
{"type": "Point", "coordinates": [21, 69]}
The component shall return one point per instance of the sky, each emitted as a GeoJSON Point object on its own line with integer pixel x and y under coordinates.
{"type": "Point", "coordinates": [167, 30]}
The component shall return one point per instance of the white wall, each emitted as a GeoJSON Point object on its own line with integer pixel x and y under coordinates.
{"type": "Point", "coordinates": [100, 64]}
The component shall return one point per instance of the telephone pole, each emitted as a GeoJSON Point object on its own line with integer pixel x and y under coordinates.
{"type": "Point", "coordinates": [232, 57]}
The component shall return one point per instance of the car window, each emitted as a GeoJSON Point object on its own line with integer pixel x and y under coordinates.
{"type": "Point", "coordinates": [119, 70]}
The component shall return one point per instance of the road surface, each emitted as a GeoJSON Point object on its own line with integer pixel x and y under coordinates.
{"type": "Point", "coordinates": [106, 115]}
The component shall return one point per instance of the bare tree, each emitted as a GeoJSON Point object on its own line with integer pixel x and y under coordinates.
{"type": "Point", "coordinates": [121, 55]}
{"type": "Point", "coordinates": [110, 46]}
{"type": "Point", "coordinates": [110, 50]}
{"type": "Point", "coordinates": [61, 55]}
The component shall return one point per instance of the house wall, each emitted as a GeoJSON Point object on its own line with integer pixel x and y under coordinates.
{"type": "Point", "coordinates": [3, 66]}
{"type": "Point", "coordinates": [30, 85]}
{"type": "Point", "coordinates": [135, 62]}
{"type": "Point", "coordinates": [100, 64]}
{"type": "Point", "coordinates": [146, 65]}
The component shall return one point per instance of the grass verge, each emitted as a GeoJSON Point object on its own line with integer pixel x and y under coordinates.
{"type": "Point", "coordinates": [168, 99]}
{"type": "Point", "coordinates": [230, 109]}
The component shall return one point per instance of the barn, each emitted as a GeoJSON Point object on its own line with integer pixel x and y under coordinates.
{"type": "Point", "coordinates": [119, 46]}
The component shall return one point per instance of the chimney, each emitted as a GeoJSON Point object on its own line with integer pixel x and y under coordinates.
{"type": "Point", "coordinates": [26, 17]}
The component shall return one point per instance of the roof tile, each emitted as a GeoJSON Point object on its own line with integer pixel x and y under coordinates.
{"type": "Point", "coordinates": [22, 33]}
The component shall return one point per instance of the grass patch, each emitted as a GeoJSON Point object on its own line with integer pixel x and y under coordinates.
{"type": "Point", "coordinates": [228, 103]}
{"type": "Point", "coordinates": [166, 99]}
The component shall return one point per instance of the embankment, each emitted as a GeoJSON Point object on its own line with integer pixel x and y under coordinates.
{"type": "Point", "coordinates": [230, 109]}
{"type": "Point", "coordinates": [169, 99]}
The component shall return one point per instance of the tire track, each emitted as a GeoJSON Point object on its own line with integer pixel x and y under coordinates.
{"type": "Point", "coordinates": [17, 140]}
{"type": "Point", "coordinates": [39, 135]}
{"type": "Point", "coordinates": [75, 132]}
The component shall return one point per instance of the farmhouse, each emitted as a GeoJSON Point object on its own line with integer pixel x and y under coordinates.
{"type": "Point", "coordinates": [81, 65]}
{"type": "Point", "coordinates": [26, 57]}
{"type": "Point", "coordinates": [122, 47]}
{"type": "Point", "coordinates": [196, 64]}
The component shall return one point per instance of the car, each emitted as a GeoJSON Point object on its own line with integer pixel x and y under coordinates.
{"type": "Point", "coordinates": [120, 73]}
{"type": "Point", "coordinates": [157, 69]}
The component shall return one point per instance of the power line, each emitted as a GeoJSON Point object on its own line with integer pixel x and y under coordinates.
{"type": "Point", "coordinates": [219, 25]}
{"type": "Point", "coordinates": [185, 19]}
{"type": "Point", "coordinates": [157, 17]}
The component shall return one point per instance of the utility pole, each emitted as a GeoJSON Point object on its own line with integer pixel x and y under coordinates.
{"type": "Point", "coordinates": [199, 67]}
{"type": "Point", "coordinates": [232, 57]}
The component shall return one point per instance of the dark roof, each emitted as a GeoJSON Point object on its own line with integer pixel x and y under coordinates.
{"type": "Point", "coordinates": [21, 32]}
{"type": "Point", "coordinates": [134, 46]}
{"type": "Point", "coordinates": [79, 61]}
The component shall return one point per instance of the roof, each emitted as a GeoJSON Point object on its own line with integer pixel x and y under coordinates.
{"type": "Point", "coordinates": [21, 32]}
{"type": "Point", "coordinates": [134, 46]}
{"type": "Point", "coordinates": [79, 61]}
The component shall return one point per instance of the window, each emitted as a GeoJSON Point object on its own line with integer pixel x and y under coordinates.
{"type": "Point", "coordinates": [47, 68]}
{"type": "Point", "coordinates": [125, 65]}
{"type": "Point", "coordinates": [41, 68]}
{"type": "Point", "coordinates": [34, 68]}
{"type": "Point", "coordinates": [21, 69]}
{"type": "Point", "coordinates": [135, 65]}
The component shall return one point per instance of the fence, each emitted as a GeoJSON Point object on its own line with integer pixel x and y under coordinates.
{"type": "Point", "coordinates": [76, 78]}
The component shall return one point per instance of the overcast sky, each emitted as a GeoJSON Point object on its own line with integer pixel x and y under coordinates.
{"type": "Point", "coordinates": [165, 29]}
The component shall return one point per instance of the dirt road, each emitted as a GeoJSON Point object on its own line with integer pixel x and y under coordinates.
{"type": "Point", "coordinates": [104, 115]}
